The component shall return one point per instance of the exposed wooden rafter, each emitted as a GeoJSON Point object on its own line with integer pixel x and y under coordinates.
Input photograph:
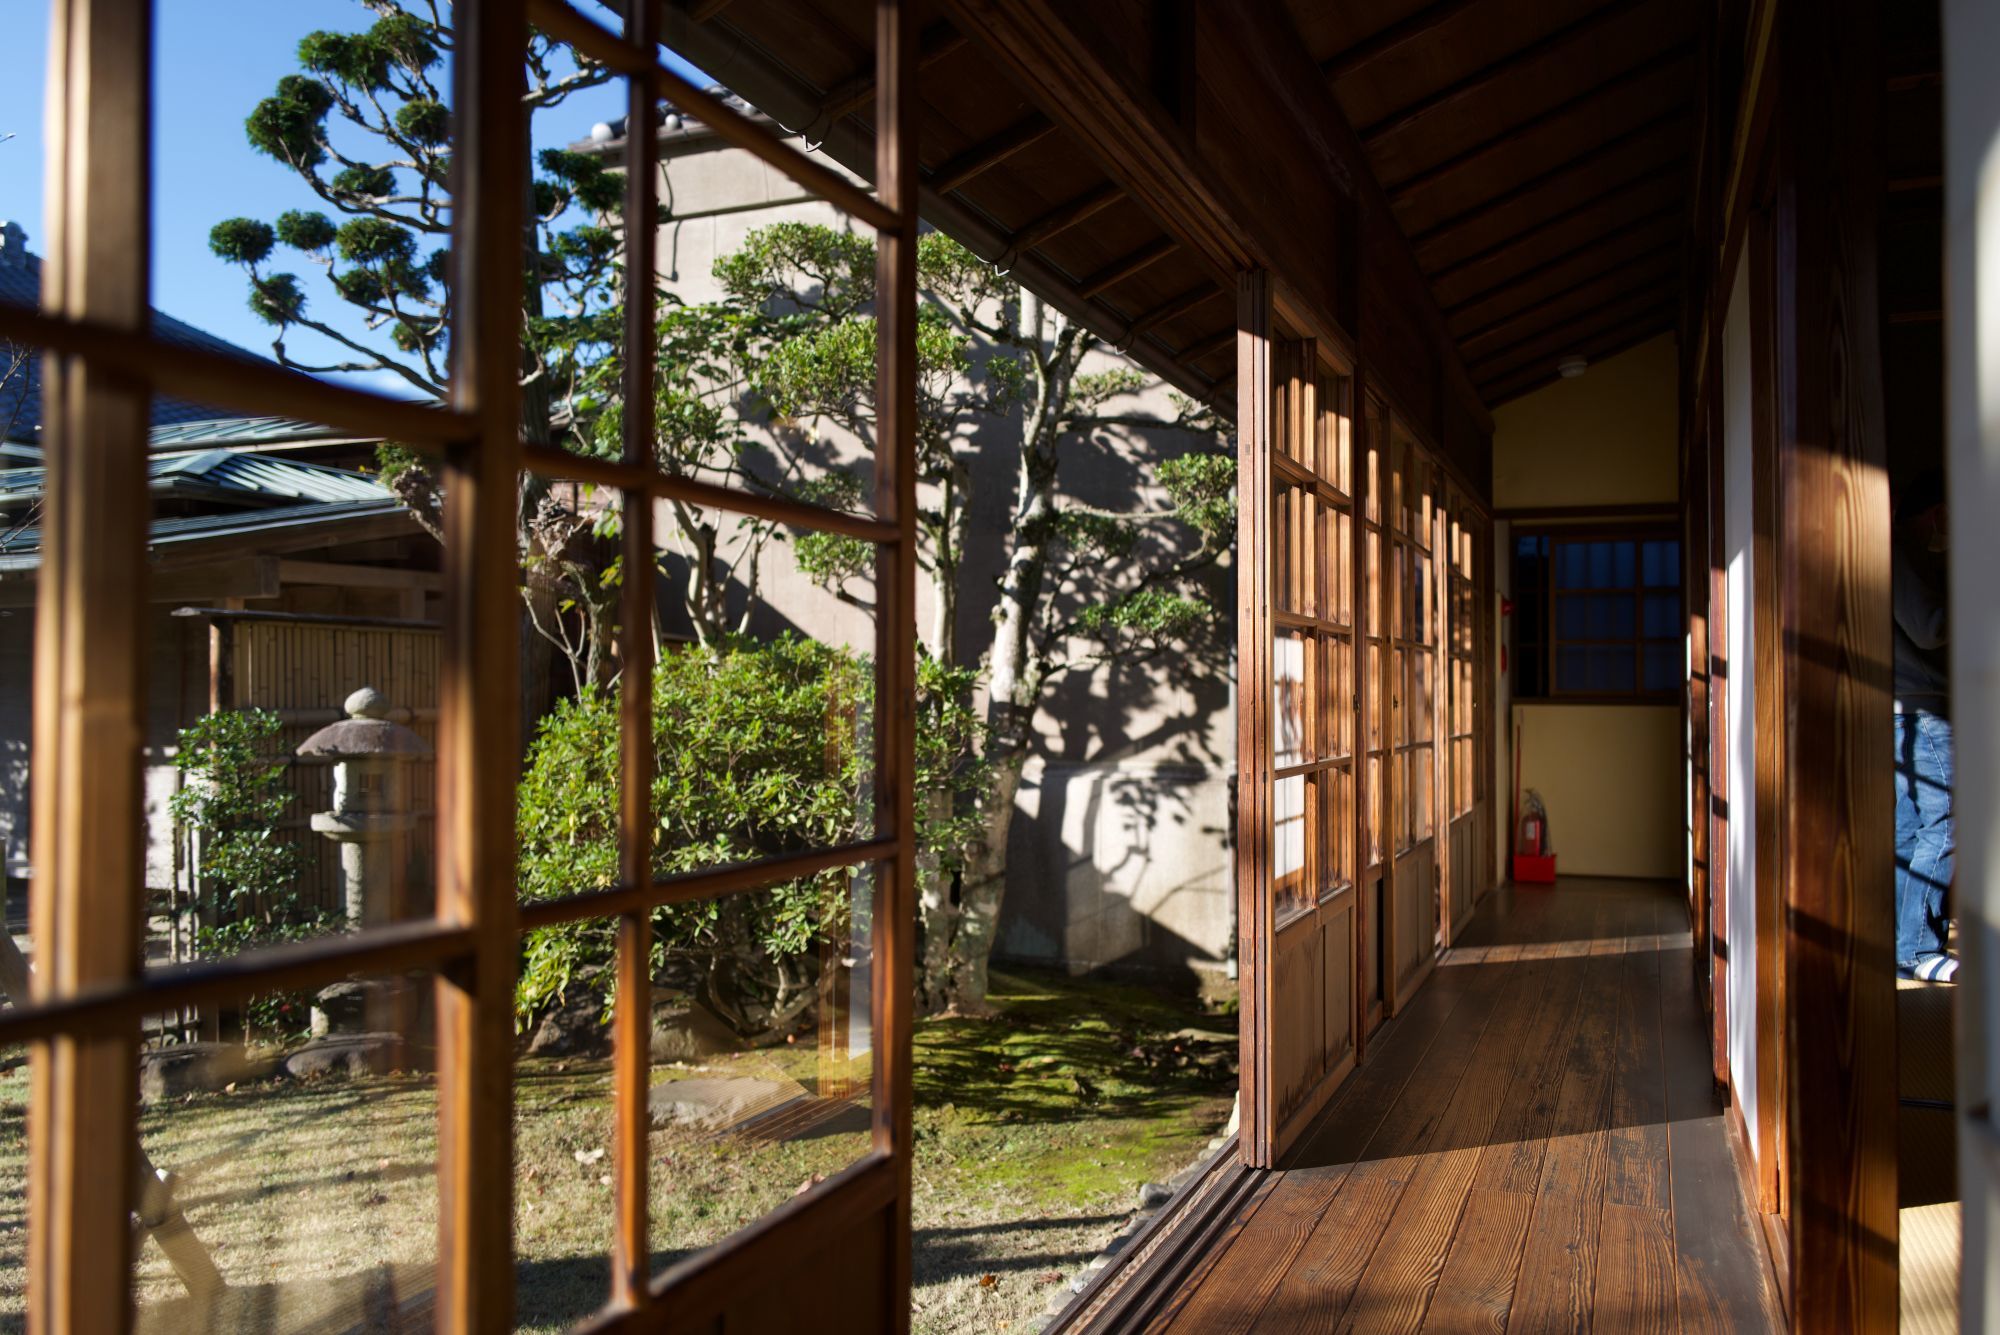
{"type": "Point", "coordinates": [1559, 42]}
{"type": "Point", "coordinates": [1673, 169]}
{"type": "Point", "coordinates": [1123, 268]}
{"type": "Point", "coordinates": [1602, 242]}
{"type": "Point", "coordinates": [1065, 216]}
{"type": "Point", "coordinates": [1513, 134]}
{"type": "Point", "coordinates": [1641, 316]}
{"type": "Point", "coordinates": [1650, 269]}
{"type": "Point", "coordinates": [1402, 33]}
{"type": "Point", "coordinates": [939, 40]}
{"type": "Point", "coordinates": [1609, 151]}
{"type": "Point", "coordinates": [961, 169]}
{"type": "Point", "coordinates": [1626, 292]}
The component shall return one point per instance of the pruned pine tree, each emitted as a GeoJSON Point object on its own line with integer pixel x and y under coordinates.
{"type": "Point", "coordinates": [365, 124]}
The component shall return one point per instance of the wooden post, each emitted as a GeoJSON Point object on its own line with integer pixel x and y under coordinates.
{"type": "Point", "coordinates": [479, 687]}
{"type": "Point", "coordinates": [1253, 710]}
{"type": "Point", "coordinates": [631, 1252]}
{"type": "Point", "coordinates": [896, 178]}
{"type": "Point", "coordinates": [1833, 559]}
{"type": "Point", "coordinates": [90, 656]}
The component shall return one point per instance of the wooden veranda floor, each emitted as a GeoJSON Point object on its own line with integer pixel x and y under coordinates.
{"type": "Point", "coordinates": [1533, 1144]}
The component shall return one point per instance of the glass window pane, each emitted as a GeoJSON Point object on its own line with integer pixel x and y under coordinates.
{"type": "Point", "coordinates": [1624, 565]}
{"type": "Point", "coordinates": [300, 1172]}
{"type": "Point", "coordinates": [1290, 699]}
{"type": "Point", "coordinates": [1664, 662]}
{"type": "Point", "coordinates": [1595, 617]}
{"type": "Point", "coordinates": [1611, 668]}
{"type": "Point", "coordinates": [1663, 615]}
{"type": "Point", "coordinates": [1288, 841]}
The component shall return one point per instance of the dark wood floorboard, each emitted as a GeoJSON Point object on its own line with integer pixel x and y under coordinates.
{"type": "Point", "coordinates": [1534, 1144]}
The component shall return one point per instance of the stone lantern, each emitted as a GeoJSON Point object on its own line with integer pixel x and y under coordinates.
{"type": "Point", "coordinates": [373, 812]}
{"type": "Point", "coordinates": [360, 1024]}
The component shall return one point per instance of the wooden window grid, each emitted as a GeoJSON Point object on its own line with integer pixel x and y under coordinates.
{"type": "Point", "coordinates": [102, 364]}
{"type": "Point", "coordinates": [1312, 583]}
{"type": "Point", "coordinates": [1637, 590]}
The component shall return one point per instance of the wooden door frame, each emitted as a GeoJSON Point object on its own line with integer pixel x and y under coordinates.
{"type": "Point", "coordinates": [87, 998]}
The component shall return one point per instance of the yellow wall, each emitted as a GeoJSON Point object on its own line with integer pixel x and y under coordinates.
{"type": "Point", "coordinates": [1612, 775]}
{"type": "Point", "coordinates": [1607, 437]}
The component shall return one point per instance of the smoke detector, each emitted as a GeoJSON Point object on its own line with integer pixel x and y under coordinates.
{"type": "Point", "coordinates": [1569, 368]}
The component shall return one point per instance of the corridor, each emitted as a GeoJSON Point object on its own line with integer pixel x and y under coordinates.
{"type": "Point", "coordinates": [1533, 1143]}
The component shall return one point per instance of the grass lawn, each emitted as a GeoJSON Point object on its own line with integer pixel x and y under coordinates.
{"type": "Point", "coordinates": [1033, 1131]}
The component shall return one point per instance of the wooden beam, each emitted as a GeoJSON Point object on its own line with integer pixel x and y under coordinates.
{"type": "Point", "coordinates": [1513, 135]}
{"type": "Point", "coordinates": [243, 577]}
{"type": "Point", "coordinates": [346, 575]}
{"type": "Point", "coordinates": [86, 896]}
{"type": "Point", "coordinates": [1404, 32]}
{"type": "Point", "coordinates": [1126, 266]}
{"type": "Point", "coordinates": [1065, 216]}
{"type": "Point", "coordinates": [1611, 150]}
{"type": "Point", "coordinates": [1670, 170]}
{"type": "Point", "coordinates": [961, 169]}
{"type": "Point", "coordinates": [1557, 43]}
{"type": "Point", "coordinates": [1607, 241]}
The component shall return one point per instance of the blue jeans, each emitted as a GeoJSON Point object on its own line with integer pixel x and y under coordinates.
{"type": "Point", "coordinates": [1925, 843]}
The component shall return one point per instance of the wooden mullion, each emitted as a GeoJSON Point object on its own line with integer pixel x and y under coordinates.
{"type": "Point", "coordinates": [479, 692]}
{"type": "Point", "coordinates": [89, 682]}
{"type": "Point", "coordinates": [228, 381]}
{"type": "Point", "coordinates": [893, 946]}
{"type": "Point", "coordinates": [632, 1017]}
{"type": "Point", "coordinates": [555, 463]}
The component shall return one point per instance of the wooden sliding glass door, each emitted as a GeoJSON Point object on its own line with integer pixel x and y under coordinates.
{"type": "Point", "coordinates": [1300, 769]}
{"type": "Point", "coordinates": [840, 1242]}
{"type": "Point", "coordinates": [1411, 596]}
{"type": "Point", "coordinates": [1359, 710]}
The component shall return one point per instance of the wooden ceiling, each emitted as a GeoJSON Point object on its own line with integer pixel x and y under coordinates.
{"type": "Point", "coordinates": [1535, 153]}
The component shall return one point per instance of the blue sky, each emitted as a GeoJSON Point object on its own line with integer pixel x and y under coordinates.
{"type": "Point", "coordinates": [215, 60]}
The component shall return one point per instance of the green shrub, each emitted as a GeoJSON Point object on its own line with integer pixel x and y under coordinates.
{"type": "Point", "coordinates": [232, 798]}
{"type": "Point", "coordinates": [758, 750]}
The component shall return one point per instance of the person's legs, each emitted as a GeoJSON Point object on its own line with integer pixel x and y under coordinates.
{"type": "Point", "coordinates": [1937, 844]}
{"type": "Point", "coordinates": [1910, 932]}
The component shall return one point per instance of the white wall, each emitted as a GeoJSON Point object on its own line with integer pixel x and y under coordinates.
{"type": "Point", "coordinates": [1741, 855]}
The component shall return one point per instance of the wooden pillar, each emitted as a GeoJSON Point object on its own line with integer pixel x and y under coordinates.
{"type": "Point", "coordinates": [90, 656]}
{"type": "Point", "coordinates": [1253, 709]}
{"type": "Point", "coordinates": [478, 752]}
{"type": "Point", "coordinates": [896, 179]}
{"type": "Point", "coordinates": [1833, 572]}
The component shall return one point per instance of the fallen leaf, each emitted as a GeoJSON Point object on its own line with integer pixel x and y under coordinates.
{"type": "Point", "coordinates": [1050, 1276]}
{"type": "Point", "coordinates": [988, 1281]}
{"type": "Point", "coordinates": [604, 1181]}
{"type": "Point", "coordinates": [590, 1156]}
